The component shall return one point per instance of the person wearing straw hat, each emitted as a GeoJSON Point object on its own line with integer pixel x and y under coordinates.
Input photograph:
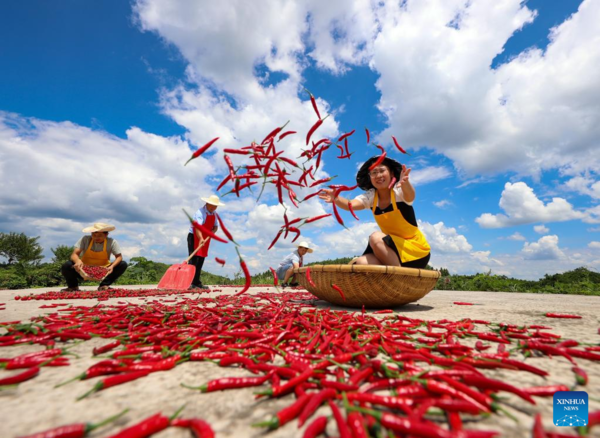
{"type": "Point", "coordinates": [94, 250]}
{"type": "Point", "coordinates": [285, 271]}
{"type": "Point", "coordinates": [400, 242]}
{"type": "Point", "coordinates": [207, 217]}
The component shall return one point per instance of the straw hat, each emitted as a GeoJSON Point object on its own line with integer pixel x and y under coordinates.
{"type": "Point", "coordinates": [213, 200]}
{"type": "Point", "coordinates": [99, 227]}
{"type": "Point", "coordinates": [305, 245]}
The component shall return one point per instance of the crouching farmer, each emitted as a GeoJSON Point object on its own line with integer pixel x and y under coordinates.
{"type": "Point", "coordinates": [94, 250]}
{"type": "Point", "coordinates": [285, 271]}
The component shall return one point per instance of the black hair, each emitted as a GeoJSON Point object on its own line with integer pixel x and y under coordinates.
{"type": "Point", "coordinates": [363, 179]}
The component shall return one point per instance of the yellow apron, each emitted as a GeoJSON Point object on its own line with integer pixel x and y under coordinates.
{"type": "Point", "coordinates": [409, 240]}
{"type": "Point", "coordinates": [96, 258]}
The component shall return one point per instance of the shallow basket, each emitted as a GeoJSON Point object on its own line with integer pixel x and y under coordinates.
{"type": "Point", "coordinates": [368, 285]}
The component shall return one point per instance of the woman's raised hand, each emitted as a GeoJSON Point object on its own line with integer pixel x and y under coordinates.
{"type": "Point", "coordinates": [403, 175]}
{"type": "Point", "coordinates": [326, 195]}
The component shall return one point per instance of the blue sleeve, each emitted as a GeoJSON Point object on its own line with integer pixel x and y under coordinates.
{"type": "Point", "coordinates": [199, 216]}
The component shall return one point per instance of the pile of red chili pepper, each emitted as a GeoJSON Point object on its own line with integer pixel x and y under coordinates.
{"type": "Point", "coordinates": [377, 373]}
{"type": "Point", "coordinates": [94, 272]}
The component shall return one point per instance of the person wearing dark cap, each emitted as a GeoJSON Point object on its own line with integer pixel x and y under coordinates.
{"type": "Point", "coordinates": [400, 242]}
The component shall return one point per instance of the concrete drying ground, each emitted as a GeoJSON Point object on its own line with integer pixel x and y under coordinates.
{"type": "Point", "coordinates": [36, 405]}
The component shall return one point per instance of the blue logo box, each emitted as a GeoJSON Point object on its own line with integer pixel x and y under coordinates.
{"type": "Point", "coordinates": [570, 408]}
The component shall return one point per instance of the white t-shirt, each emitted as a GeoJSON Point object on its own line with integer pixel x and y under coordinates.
{"type": "Point", "coordinates": [368, 197]}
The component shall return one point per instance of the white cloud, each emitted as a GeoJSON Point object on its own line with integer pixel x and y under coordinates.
{"type": "Point", "coordinates": [538, 111]}
{"type": "Point", "coordinates": [594, 245]}
{"type": "Point", "coordinates": [541, 229]}
{"type": "Point", "coordinates": [546, 248]}
{"type": "Point", "coordinates": [430, 174]}
{"type": "Point", "coordinates": [516, 236]}
{"type": "Point", "coordinates": [584, 186]}
{"type": "Point", "coordinates": [444, 239]}
{"type": "Point", "coordinates": [522, 206]}
{"type": "Point", "coordinates": [443, 203]}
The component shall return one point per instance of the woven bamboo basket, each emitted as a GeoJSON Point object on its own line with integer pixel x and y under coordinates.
{"type": "Point", "coordinates": [368, 285]}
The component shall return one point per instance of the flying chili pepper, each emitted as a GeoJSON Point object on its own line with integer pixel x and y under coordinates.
{"type": "Point", "coordinates": [307, 273]}
{"type": "Point", "coordinates": [314, 104]}
{"type": "Point", "coordinates": [392, 182]}
{"type": "Point", "coordinates": [316, 218]}
{"type": "Point", "coordinates": [379, 160]}
{"type": "Point", "coordinates": [201, 150]}
{"type": "Point", "coordinates": [203, 229]}
{"type": "Point", "coordinates": [224, 228]}
{"type": "Point", "coordinates": [248, 277]}
{"type": "Point", "coordinates": [285, 134]}
{"type": "Point", "coordinates": [340, 291]}
{"type": "Point", "coordinates": [398, 146]}
{"type": "Point", "coordinates": [346, 135]}
{"type": "Point", "coordinates": [314, 128]}
{"type": "Point", "coordinates": [220, 261]}
{"type": "Point", "coordinates": [275, 279]}
{"type": "Point", "coordinates": [368, 136]}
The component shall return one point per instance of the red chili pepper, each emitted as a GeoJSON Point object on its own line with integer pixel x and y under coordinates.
{"type": "Point", "coordinates": [356, 423]}
{"type": "Point", "coordinates": [229, 383]}
{"type": "Point", "coordinates": [562, 315]}
{"type": "Point", "coordinates": [275, 279]}
{"type": "Point", "coordinates": [274, 240]}
{"type": "Point", "coordinates": [461, 303]}
{"type": "Point", "coordinates": [314, 403]}
{"type": "Point", "coordinates": [273, 133]}
{"type": "Point", "coordinates": [21, 377]}
{"type": "Point", "coordinates": [287, 414]}
{"type": "Point", "coordinates": [203, 229]}
{"type": "Point", "coordinates": [545, 391]}
{"type": "Point", "coordinates": [391, 184]}
{"type": "Point", "coordinates": [340, 291]}
{"type": "Point", "coordinates": [237, 151]}
{"type": "Point", "coordinates": [398, 146]}
{"type": "Point", "coordinates": [105, 348]}
{"type": "Point", "coordinates": [484, 383]}
{"type": "Point", "coordinates": [77, 430]}
{"type": "Point", "coordinates": [307, 273]}
{"type": "Point", "coordinates": [313, 129]}
{"type": "Point", "coordinates": [224, 228]}
{"type": "Point", "coordinates": [368, 136]}
{"type": "Point", "coordinates": [379, 160]}
{"type": "Point", "coordinates": [580, 375]}
{"type": "Point", "coordinates": [220, 261]}
{"type": "Point", "coordinates": [201, 150]}
{"type": "Point", "coordinates": [316, 428]}
{"type": "Point", "coordinates": [200, 428]}
{"type": "Point", "coordinates": [145, 428]}
{"type": "Point", "coordinates": [248, 277]}
{"type": "Point", "coordinates": [114, 381]}
{"type": "Point", "coordinates": [314, 104]}
{"type": "Point", "coordinates": [285, 134]}
{"type": "Point", "coordinates": [321, 181]}
{"type": "Point", "coordinates": [316, 218]}
{"type": "Point", "coordinates": [351, 209]}
{"type": "Point", "coordinates": [227, 178]}
{"type": "Point", "coordinates": [343, 428]}
{"type": "Point", "coordinates": [290, 384]}
{"type": "Point", "coordinates": [538, 428]}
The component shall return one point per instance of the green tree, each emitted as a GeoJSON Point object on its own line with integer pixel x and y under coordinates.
{"type": "Point", "coordinates": [17, 247]}
{"type": "Point", "coordinates": [62, 253]}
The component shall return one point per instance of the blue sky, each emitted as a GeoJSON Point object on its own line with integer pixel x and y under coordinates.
{"type": "Point", "coordinates": [101, 103]}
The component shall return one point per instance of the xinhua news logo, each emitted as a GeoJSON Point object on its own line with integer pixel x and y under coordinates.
{"type": "Point", "coordinates": [570, 408]}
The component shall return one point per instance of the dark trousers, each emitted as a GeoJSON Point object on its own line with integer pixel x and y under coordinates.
{"type": "Point", "coordinates": [196, 261]}
{"type": "Point", "coordinates": [73, 278]}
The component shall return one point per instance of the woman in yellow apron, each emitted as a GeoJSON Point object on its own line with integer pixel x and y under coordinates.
{"type": "Point", "coordinates": [94, 250]}
{"type": "Point", "coordinates": [400, 242]}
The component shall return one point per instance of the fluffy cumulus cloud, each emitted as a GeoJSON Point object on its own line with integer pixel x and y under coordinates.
{"type": "Point", "coordinates": [439, 89]}
{"type": "Point", "coordinates": [445, 239]}
{"type": "Point", "coordinates": [594, 245]}
{"type": "Point", "coordinates": [59, 177]}
{"type": "Point", "coordinates": [541, 229]}
{"type": "Point", "coordinates": [546, 248]}
{"type": "Point", "coordinates": [522, 206]}
{"type": "Point", "coordinates": [584, 185]}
